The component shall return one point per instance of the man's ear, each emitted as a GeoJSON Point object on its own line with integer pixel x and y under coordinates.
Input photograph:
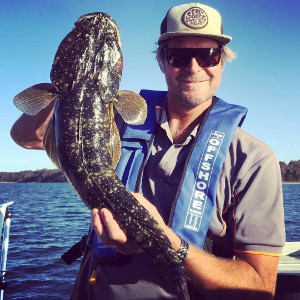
{"type": "Point", "coordinates": [162, 66]}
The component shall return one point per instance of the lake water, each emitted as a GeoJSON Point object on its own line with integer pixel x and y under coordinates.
{"type": "Point", "coordinates": [48, 218]}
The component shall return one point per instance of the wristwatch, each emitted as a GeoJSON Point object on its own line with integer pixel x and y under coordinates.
{"type": "Point", "coordinates": [183, 250]}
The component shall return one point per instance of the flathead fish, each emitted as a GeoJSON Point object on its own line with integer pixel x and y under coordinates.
{"type": "Point", "coordinates": [83, 140]}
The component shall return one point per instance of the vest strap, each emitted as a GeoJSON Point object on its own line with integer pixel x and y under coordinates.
{"type": "Point", "coordinates": [196, 198]}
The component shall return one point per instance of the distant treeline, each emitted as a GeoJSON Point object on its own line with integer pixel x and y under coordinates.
{"type": "Point", "coordinates": [43, 175]}
{"type": "Point", "coordinates": [289, 172]}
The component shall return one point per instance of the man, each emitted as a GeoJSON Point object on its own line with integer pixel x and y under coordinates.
{"type": "Point", "coordinates": [245, 227]}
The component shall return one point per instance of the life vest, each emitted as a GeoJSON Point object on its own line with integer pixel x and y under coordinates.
{"type": "Point", "coordinates": [194, 204]}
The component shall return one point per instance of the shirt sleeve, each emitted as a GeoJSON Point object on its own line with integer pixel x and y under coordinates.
{"type": "Point", "coordinates": [258, 214]}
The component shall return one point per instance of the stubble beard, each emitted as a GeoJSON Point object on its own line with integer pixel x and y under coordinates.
{"type": "Point", "coordinates": [192, 98]}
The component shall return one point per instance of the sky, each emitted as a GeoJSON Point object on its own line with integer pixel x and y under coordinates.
{"type": "Point", "coordinates": [265, 77]}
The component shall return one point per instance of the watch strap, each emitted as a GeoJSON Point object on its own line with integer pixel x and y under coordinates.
{"type": "Point", "coordinates": [183, 250]}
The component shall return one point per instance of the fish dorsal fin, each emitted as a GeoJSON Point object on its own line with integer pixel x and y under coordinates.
{"type": "Point", "coordinates": [132, 107]}
{"type": "Point", "coordinates": [32, 100]}
{"type": "Point", "coordinates": [114, 139]}
{"type": "Point", "coordinates": [49, 141]}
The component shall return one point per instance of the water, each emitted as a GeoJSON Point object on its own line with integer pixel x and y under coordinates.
{"type": "Point", "coordinates": [48, 218]}
{"type": "Point", "coordinates": [291, 196]}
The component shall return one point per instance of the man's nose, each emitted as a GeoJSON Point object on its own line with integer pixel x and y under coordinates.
{"type": "Point", "coordinates": [193, 66]}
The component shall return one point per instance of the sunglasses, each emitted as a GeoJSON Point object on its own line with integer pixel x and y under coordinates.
{"type": "Point", "coordinates": [181, 57]}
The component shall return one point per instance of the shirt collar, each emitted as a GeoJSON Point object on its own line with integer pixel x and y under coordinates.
{"type": "Point", "coordinates": [162, 119]}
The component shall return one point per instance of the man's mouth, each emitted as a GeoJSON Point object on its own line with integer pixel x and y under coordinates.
{"type": "Point", "coordinates": [193, 80]}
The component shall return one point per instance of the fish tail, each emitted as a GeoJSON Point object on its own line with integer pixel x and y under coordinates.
{"type": "Point", "coordinates": [148, 234]}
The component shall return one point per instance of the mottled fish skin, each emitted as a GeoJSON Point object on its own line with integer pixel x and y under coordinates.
{"type": "Point", "coordinates": [86, 73]}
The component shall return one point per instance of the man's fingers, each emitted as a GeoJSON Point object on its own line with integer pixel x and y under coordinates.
{"type": "Point", "coordinates": [150, 207]}
{"type": "Point", "coordinates": [110, 233]}
{"type": "Point", "coordinates": [113, 230]}
{"type": "Point", "coordinates": [98, 226]}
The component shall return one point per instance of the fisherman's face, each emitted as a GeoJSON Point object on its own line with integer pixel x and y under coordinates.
{"type": "Point", "coordinates": [191, 85]}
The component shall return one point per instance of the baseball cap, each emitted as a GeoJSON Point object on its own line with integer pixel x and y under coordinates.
{"type": "Point", "coordinates": [193, 19]}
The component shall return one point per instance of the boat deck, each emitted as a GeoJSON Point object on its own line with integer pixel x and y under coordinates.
{"type": "Point", "coordinates": [289, 262]}
{"type": "Point", "coordinates": [288, 279]}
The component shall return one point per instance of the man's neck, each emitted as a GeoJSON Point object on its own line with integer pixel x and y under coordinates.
{"type": "Point", "coordinates": [182, 120]}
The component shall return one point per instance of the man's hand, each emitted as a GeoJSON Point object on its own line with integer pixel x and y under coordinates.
{"type": "Point", "coordinates": [250, 276]}
{"type": "Point", "coordinates": [111, 234]}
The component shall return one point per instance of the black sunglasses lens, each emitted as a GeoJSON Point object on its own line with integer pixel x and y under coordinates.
{"type": "Point", "coordinates": [181, 57]}
{"type": "Point", "coordinates": [209, 58]}
{"type": "Point", "coordinates": [177, 59]}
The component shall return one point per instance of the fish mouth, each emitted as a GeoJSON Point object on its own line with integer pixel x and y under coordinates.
{"type": "Point", "coordinates": [90, 16]}
{"type": "Point", "coordinates": [95, 15]}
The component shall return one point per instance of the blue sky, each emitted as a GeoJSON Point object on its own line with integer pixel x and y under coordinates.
{"type": "Point", "coordinates": [265, 77]}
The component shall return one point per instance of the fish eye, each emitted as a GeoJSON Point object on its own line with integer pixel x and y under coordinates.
{"type": "Point", "coordinates": [109, 40]}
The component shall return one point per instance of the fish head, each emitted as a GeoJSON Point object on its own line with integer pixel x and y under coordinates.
{"type": "Point", "coordinates": [90, 52]}
{"type": "Point", "coordinates": [87, 17]}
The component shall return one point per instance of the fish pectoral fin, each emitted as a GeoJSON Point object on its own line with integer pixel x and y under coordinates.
{"type": "Point", "coordinates": [114, 138]}
{"type": "Point", "coordinates": [114, 145]}
{"type": "Point", "coordinates": [33, 99]}
{"type": "Point", "coordinates": [132, 107]}
{"type": "Point", "coordinates": [49, 142]}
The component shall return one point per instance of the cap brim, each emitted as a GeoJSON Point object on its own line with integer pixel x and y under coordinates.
{"type": "Point", "coordinates": [223, 39]}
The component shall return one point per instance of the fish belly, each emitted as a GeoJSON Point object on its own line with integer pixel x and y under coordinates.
{"type": "Point", "coordinates": [83, 149]}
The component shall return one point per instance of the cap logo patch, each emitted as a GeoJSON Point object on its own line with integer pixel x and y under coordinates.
{"type": "Point", "coordinates": [195, 18]}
